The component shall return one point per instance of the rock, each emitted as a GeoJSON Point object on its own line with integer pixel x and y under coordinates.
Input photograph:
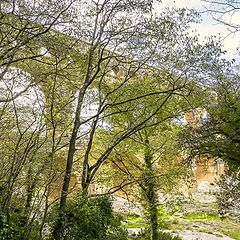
{"type": "Point", "coordinates": [190, 235]}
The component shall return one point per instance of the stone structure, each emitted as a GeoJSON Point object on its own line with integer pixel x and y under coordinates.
{"type": "Point", "coordinates": [206, 169]}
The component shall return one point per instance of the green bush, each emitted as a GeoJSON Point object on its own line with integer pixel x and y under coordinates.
{"type": "Point", "coordinates": [91, 219]}
{"type": "Point", "coordinates": [228, 196]}
{"type": "Point", "coordinates": [17, 227]}
{"type": "Point", "coordinates": [6, 232]}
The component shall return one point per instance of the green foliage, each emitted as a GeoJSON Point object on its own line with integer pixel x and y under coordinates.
{"type": "Point", "coordinates": [228, 196]}
{"type": "Point", "coordinates": [33, 139]}
{"type": "Point", "coordinates": [6, 232]}
{"type": "Point", "coordinates": [18, 227]}
{"type": "Point", "coordinates": [163, 222]}
{"type": "Point", "coordinates": [218, 134]}
{"type": "Point", "coordinates": [91, 219]}
{"type": "Point", "coordinates": [133, 221]}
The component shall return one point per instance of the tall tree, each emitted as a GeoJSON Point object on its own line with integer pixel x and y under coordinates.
{"type": "Point", "coordinates": [142, 159]}
{"type": "Point", "coordinates": [102, 55]}
{"type": "Point", "coordinates": [123, 37]}
{"type": "Point", "coordinates": [32, 59]}
{"type": "Point", "coordinates": [109, 27]}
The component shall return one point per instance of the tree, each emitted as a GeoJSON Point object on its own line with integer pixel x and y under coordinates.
{"type": "Point", "coordinates": [21, 143]}
{"type": "Point", "coordinates": [108, 28]}
{"type": "Point", "coordinates": [24, 34]}
{"type": "Point", "coordinates": [148, 159]}
{"type": "Point", "coordinates": [104, 55]}
{"type": "Point", "coordinates": [32, 57]}
{"type": "Point", "coordinates": [218, 134]}
{"type": "Point", "coordinates": [115, 41]}
{"type": "Point", "coordinates": [114, 47]}
{"type": "Point", "coordinates": [225, 12]}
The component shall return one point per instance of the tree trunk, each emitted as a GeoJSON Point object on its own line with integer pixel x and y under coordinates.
{"type": "Point", "coordinates": [58, 228]}
{"type": "Point", "coordinates": [150, 195]}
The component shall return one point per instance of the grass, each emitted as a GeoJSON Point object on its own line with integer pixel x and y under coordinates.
{"type": "Point", "coordinates": [134, 225]}
{"type": "Point", "coordinates": [134, 221]}
{"type": "Point", "coordinates": [233, 233]}
{"type": "Point", "coordinates": [178, 227]}
{"type": "Point", "coordinates": [228, 228]}
{"type": "Point", "coordinates": [134, 218]}
{"type": "Point", "coordinates": [210, 217]}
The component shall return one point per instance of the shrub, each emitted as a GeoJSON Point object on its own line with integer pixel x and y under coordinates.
{"type": "Point", "coordinates": [6, 232]}
{"type": "Point", "coordinates": [229, 192]}
{"type": "Point", "coordinates": [17, 227]}
{"type": "Point", "coordinates": [91, 219]}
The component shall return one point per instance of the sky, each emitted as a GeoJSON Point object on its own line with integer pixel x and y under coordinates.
{"type": "Point", "coordinates": [209, 27]}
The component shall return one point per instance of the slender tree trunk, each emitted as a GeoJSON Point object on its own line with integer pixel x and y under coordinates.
{"type": "Point", "coordinates": [31, 185]}
{"type": "Point", "coordinates": [150, 194]}
{"type": "Point", "coordinates": [57, 232]}
{"type": "Point", "coordinates": [85, 190]}
{"type": "Point", "coordinates": [58, 229]}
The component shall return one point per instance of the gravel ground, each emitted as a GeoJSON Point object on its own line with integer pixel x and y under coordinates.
{"type": "Point", "coordinates": [189, 235]}
{"type": "Point", "coordinates": [122, 205]}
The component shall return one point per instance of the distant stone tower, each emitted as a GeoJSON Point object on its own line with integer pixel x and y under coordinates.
{"type": "Point", "coordinates": [206, 168]}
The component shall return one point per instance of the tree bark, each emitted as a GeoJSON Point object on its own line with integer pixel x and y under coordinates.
{"type": "Point", "coordinates": [58, 228]}
{"type": "Point", "coordinates": [150, 193]}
